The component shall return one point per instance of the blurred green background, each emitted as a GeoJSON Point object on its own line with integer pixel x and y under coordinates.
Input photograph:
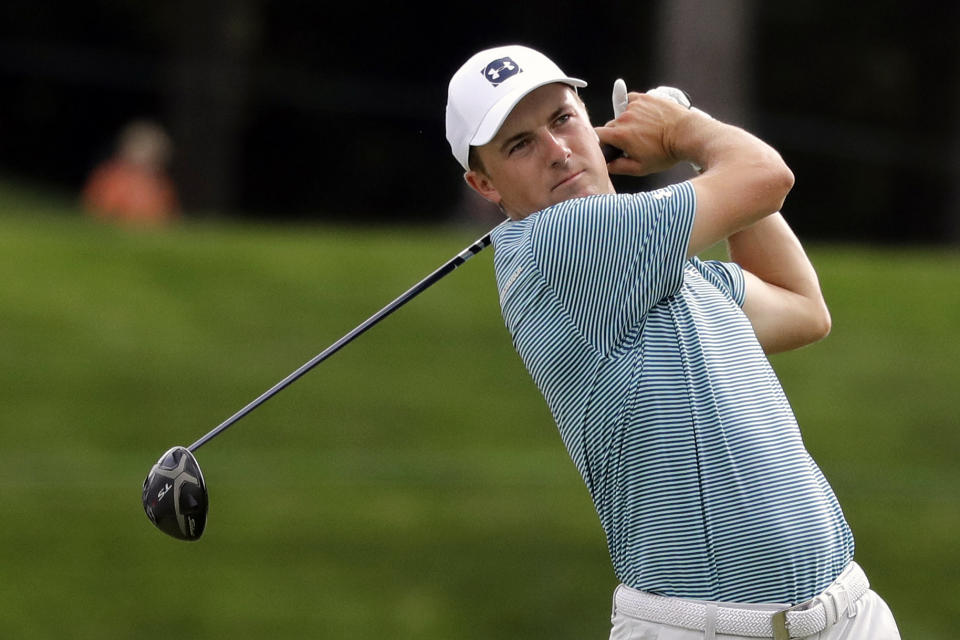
{"type": "Point", "coordinates": [413, 486]}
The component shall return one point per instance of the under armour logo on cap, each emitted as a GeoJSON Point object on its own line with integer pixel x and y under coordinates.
{"type": "Point", "coordinates": [500, 69]}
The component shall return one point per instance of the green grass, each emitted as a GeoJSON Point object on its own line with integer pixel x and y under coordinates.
{"type": "Point", "coordinates": [413, 486]}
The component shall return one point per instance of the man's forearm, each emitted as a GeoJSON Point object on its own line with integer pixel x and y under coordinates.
{"type": "Point", "coordinates": [742, 179]}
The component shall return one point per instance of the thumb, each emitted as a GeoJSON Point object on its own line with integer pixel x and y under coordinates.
{"type": "Point", "coordinates": [619, 97]}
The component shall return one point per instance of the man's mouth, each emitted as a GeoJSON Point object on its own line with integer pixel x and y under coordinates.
{"type": "Point", "coordinates": [567, 180]}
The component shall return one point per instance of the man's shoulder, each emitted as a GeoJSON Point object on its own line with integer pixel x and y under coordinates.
{"type": "Point", "coordinates": [566, 211]}
{"type": "Point", "coordinates": [581, 221]}
{"type": "Point", "coordinates": [593, 208]}
{"type": "Point", "coordinates": [509, 232]}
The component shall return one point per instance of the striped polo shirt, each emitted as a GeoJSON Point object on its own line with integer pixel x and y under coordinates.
{"type": "Point", "coordinates": [666, 402]}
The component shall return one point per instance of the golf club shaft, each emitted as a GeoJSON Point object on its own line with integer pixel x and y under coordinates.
{"type": "Point", "coordinates": [411, 293]}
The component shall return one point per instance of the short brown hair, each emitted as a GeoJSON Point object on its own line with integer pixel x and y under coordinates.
{"type": "Point", "coordinates": [474, 161]}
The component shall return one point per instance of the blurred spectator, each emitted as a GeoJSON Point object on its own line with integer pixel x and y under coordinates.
{"type": "Point", "coordinates": [133, 184]}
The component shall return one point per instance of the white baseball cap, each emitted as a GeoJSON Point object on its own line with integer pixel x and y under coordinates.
{"type": "Point", "coordinates": [484, 91]}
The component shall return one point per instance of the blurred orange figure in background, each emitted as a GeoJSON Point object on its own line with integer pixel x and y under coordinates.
{"type": "Point", "coordinates": [133, 185]}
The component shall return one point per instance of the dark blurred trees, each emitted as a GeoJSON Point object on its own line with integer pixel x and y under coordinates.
{"type": "Point", "coordinates": [208, 87]}
{"type": "Point", "coordinates": [863, 99]}
{"type": "Point", "coordinates": [304, 109]}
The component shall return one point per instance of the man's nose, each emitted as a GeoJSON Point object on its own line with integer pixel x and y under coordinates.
{"type": "Point", "coordinates": [557, 150]}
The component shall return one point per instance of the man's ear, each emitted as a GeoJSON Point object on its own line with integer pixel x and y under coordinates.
{"type": "Point", "coordinates": [481, 183]}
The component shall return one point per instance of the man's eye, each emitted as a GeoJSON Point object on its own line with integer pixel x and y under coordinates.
{"type": "Point", "coordinates": [563, 119]}
{"type": "Point", "coordinates": [518, 146]}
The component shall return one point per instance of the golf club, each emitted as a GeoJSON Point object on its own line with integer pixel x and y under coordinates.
{"type": "Point", "coordinates": [174, 493]}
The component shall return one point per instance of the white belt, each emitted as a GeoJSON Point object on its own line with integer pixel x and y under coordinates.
{"type": "Point", "coordinates": [805, 619]}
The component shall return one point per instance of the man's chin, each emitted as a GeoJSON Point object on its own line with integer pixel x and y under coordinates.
{"type": "Point", "coordinates": [560, 195]}
{"type": "Point", "coordinates": [578, 191]}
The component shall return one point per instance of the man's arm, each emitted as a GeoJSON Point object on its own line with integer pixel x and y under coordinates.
{"type": "Point", "coordinates": [743, 179]}
{"type": "Point", "coordinates": [743, 182]}
{"type": "Point", "coordinates": [783, 299]}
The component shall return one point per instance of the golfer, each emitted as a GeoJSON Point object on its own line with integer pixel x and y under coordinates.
{"type": "Point", "coordinates": [653, 362]}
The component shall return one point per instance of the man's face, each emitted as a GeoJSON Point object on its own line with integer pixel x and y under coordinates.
{"type": "Point", "coordinates": [545, 152]}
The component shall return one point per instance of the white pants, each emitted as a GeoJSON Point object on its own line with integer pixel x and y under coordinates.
{"type": "Point", "coordinates": [868, 618]}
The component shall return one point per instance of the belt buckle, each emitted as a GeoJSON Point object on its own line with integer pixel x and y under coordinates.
{"type": "Point", "coordinates": [781, 631]}
{"type": "Point", "coordinates": [779, 620]}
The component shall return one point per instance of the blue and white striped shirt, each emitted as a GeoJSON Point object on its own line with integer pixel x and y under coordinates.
{"type": "Point", "coordinates": [666, 402]}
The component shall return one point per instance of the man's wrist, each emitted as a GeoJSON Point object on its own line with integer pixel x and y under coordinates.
{"type": "Point", "coordinates": [688, 136]}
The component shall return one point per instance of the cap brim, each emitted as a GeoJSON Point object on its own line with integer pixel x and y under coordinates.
{"type": "Point", "coordinates": [492, 122]}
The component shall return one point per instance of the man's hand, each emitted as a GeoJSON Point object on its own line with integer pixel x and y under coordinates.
{"type": "Point", "coordinates": [741, 181]}
{"type": "Point", "coordinates": [644, 132]}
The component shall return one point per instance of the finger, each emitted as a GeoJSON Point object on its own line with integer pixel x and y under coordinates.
{"type": "Point", "coordinates": [610, 133]}
{"type": "Point", "coordinates": [612, 145]}
{"type": "Point", "coordinates": [627, 167]}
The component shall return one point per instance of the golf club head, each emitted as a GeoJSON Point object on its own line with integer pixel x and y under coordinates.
{"type": "Point", "coordinates": [175, 496]}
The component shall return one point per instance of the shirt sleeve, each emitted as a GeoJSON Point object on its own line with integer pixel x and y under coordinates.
{"type": "Point", "coordinates": [610, 259]}
{"type": "Point", "coordinates": [725, 276]}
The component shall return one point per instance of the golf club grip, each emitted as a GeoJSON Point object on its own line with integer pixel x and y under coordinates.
{"type": "Point", "coordinates": [610, 152]}
{"type": "Point", "coordinates": [408, 295]}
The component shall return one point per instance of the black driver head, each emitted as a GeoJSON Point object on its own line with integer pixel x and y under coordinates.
{"type": "Point", "coordinates": [175, 496]}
